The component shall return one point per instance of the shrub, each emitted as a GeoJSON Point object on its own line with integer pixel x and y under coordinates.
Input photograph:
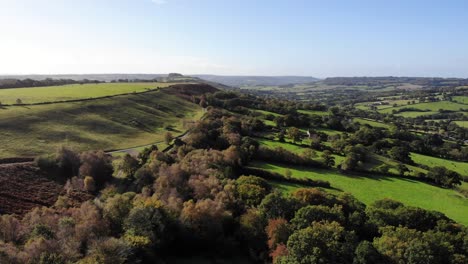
{"type": "Point", "coordinates": [98, 165]}
{"type": "Point", "coordinates": [46, 163]}
{"type": "Point", "coordinates": [89, 184]}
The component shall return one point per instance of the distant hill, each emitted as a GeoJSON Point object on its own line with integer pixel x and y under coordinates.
{"type": "Point", "coordinates": [98, 77]}
{"type": "Point", "coordinates": [238, 81]}
{"type": "Point", "coordinates": [32, 80]}
{"type": "Point", "coordinates": [391, 80]}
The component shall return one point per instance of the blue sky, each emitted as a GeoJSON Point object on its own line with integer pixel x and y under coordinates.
{"type": "Point", "coordinates": [288, 37]}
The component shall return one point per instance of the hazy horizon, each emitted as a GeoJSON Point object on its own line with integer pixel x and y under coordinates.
{"type": "Point", "coordinates": [237, 38]}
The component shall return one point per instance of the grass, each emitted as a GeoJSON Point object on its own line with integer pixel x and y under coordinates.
{"type": "Point", "coordinates": [328, 131]}
{"type": "Point", "coordinates": [370, 189]}
{"type": "Point", "coordinates": [413, 114]}
{"type": "Point", "coordinates": [458, 166]}
{"type": "Point", "coordinates": [295, 149]}
{"type": "Point", "coordinates": [431, 106]}
{"type": "Point", "coordinates": [462, 123]}
{"type": "Point", "coordinates": [313, 112]}
{"type": "Point", "coordinates": [73, 92]}
{"type": "Point", "coordinates": [370, 122]}
{"type": "Point", "coordinates": [286, 187]}
{"type": "Point", "coordinates": [460, 99]}
{"type": "Point", "coordinates": [108, 123]}
{"type": "Point", "coordinates": [265, 113]}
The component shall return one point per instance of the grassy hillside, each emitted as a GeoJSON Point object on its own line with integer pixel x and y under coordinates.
{"type": "Point", "coordinates": [370, 189]}
{"type": "Point", "coordinates": [371, 122]}
{"type": "Point", "coordinates": [295, 148]}
{"type": "Point", "coordinates": [432, 106]}
{"type": "Point", "coordinates": [73, 92]}
{"type": "Point", "coordinates": [462, 123]}
{"type": "Point", "coordinates": [458, 166]}
{"type": "Point", "coordinates": [313, 112]}
{"type": "Point", "coordinates": [108, 123]}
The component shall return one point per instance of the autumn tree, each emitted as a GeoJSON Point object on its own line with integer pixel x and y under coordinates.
{"type": "Point", "coordinates": [98, 165]}
{"type": "Point", "coordinates": [328, 159]}
{"type": "Point", "coordinates": [294, 134]}
{"type": "Point", "coordinates": [326, 242]}
{"type": "Point", "coordinates": [168, 138]}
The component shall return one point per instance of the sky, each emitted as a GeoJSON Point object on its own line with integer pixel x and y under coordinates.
{"type": "Point", "coordinates": [235, 37]}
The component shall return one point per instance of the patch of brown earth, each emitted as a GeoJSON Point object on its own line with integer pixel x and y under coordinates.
{"type": "Point", "coordinates": [23, 186]}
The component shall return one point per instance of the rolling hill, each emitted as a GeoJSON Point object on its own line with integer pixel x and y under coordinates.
{"type": "Point", "coordinates": [238, 81]}
{"type": "Point", "coordinates": [104, 123]}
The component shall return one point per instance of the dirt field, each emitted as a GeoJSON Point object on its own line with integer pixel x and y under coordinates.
{"type": "Point", "coordinates": [23, 187]}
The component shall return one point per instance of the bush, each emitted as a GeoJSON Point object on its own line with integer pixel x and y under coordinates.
{"type": "Point", "coordinates": [89, 184]}
{"type": "Point", "coordinates": [98, 165]}
{"type": "Point", "coordinates": [46, 163]}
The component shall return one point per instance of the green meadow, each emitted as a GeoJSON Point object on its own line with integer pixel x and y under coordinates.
{"type": "Point", "coordinates": [458, 166]}
{"type": "Point", "coordinates": [430, 106]}
{"type": "Point", "coordinates": [462, 123]}
{"type": "Point", "coordinates": [295, 148]}
{"type": "Point", "coordinates": [371, 122]}
{"type": "Point", "coordinates": [73, 92]}
{"type": "Point", "coordinates": [460, 99]}
{"type": "Point", "coordinates": [370, 189]}
{"type": "Point", "coordinates": [313, 112]}
{"type": "Point", "coordinates": [108, 123]}
{"type": "Point", "coordinates": [414, 114]}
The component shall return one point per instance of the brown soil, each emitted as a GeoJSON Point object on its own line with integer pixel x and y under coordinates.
{"type": "Point", "coordinates": [23, 186]}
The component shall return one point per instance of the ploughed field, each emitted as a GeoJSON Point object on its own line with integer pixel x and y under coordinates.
{"type": "Point", "coordinates": [23, 187]}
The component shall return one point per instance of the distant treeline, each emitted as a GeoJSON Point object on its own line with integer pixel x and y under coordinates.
{"type": "Point", "coordinates": [134, 80]}
{"type": "Point", "coordinates": [378, 81]}
{"type": "Point", "coordinates": [16, 83]}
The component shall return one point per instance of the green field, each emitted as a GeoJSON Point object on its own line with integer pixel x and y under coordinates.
{"type": "Point", "coordinates": [108, 123]}
{"type": "Point", "coordinates": [73, 92]}
{"type": "Point", "coordinates": [413, 114]}
{"type": "Point", "coordinates": [370, 189]}
{"type": "Point", "coordinates": [462, 123]}
{"type": "Point", "coordinates": [294, 148]}
{"type": "Point", "coordinates": [460, 99]}
{"type": "Point", "coordinates": [431, 106]}
{"type": "Point", "coordinates": [263, 112]}
{"type": "Point", "coordinates": [370, 122]}
{"type": "Point", "coordinates": [458, 166]}
{"type": "Point", "coordinates": [313, 112]}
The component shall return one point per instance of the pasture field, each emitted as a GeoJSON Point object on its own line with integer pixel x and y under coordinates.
{"type": "Point", "coordinates": [313, 112]}
{"type": "Point", "coordinates": [108, 123]}
{"type": "Point", "coordinates": [430, 106]}
{"type": "Point", "coordinates": [370, 189]}
{"type": "Point", "coordinates": [460, 99]}
{"type": "Point", "coordinates": [414, 114]}
{"type": "Point", "coordinates": [462, 123]}
{"type": "Point", "coordinates": [263, 112]}
{"type": "Point", "coordinates": [295, 149]}
{"type": "Point", "coordinates": [458, 166]}
{"type": "Point", "coordinates": [73, 92]}
{"type": "Point", "coordinates": [328, 131]}
{"type": "Point", "coordinates": [371, 122]}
